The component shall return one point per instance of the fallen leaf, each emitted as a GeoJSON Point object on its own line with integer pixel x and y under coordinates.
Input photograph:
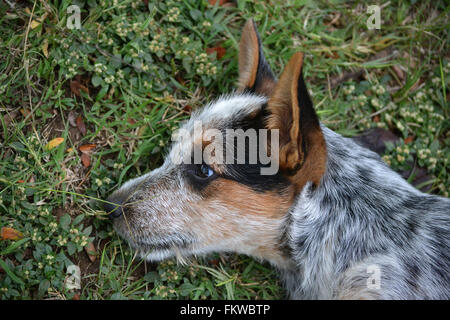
{"type": "Point", "coordinates": [24, 112]}
{"type": "Point", "coordinates": [85, 160]}
{"type": "Point", "coordinates": [91, 252]}
{"type": "Point", "coordinates": [220, 51]}
{"type": "Point", "coordinates": [81, 126]}
{"type": "Point", "coordinates": [375, 139]}
{"type": "Point", "coordinates": [72, 118]}
{"type": "Point", "coordinates": [332, 55]}
{"type": "Point", "coordinates": [9, 118]}
{"type": "Point", "coordinates": [45, 47]}
{"type": "Point", "coordinates": [180, 79]}
{"type": "Point", "coordinates": [69, 150]}
{"type": "Point", "coordinates": [214, 262]}
{"type": "Point", "coordinates": [409, 139]}
{"type": "Point", "coordinates": [76, 86]}
{"type": "Point", "coordinates": [86, 148]}
{"type": "Point", "coordinates": [38, 21]}
{"type": "Point", "coordinates": [221, 2]}
{"type": "Point", "coordinates": [10, 234]}
{"type": "Point", "coordinates": [54, 143]}
{"type": "Point", "coordinates": [349, 75]}
{"type": "Point", "coordinates": [35, 24]}
{"type": "Point", "coordinates": [399, 72]}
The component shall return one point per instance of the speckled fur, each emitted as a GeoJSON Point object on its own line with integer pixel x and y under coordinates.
{"type": "Point", "coordinates": [364, 214]}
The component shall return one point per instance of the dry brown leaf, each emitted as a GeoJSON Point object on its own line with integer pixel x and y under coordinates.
{"type": "Point", "coordinates": [214, 262]}
{"type": "Point", "coordinates": [76, 86]}
{"type": "Point", "coordinates": [85, 160]}
{"type": "Point", "coordinates": [91, 252]}
{"type": "Point", "coordinates": [187, 108]}
{"type": "Point", "coordinates": [10, 234]}
{"type": "Point", "coordinates": [399, 72]}
{"type": "Point", "coordinates": [81, 126]}
{"type": "Point", "coordinates": [332, 55]}
{"type": "Point", "coordinates": [220, 51]}
{"type": "Point", "coordinates": [24, 112]}
{"type": "Point", "coordinates": [45, 47]}
{"type": "Point", "coordinates": [409, 139]}
{"type": "Point", "coordinates": [86, 148]}
{"type": "Point", "coordinates": [54, 143]}
{"type": "Point", "coordinates": [180, 79]}
{"type": "Point", "coordinates": [221, 2]}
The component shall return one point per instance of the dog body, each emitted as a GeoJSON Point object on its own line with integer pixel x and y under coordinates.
{"type": "Point", "coordinates": [365, 219]}
{"type": "Point", "coordinates": [335, 220]}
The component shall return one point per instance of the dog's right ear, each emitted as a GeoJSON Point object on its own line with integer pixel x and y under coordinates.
{"type": "Point", "coordinates": [255, 74]}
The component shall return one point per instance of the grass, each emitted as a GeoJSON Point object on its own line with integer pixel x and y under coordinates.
{"type": "Point", "coordinates": [117, 88]}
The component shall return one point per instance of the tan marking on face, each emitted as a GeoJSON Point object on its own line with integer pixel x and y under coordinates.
{"type": "Point", "coordinates": [247, 201]}
{"type": "Point", "coordinates": [251, 220]}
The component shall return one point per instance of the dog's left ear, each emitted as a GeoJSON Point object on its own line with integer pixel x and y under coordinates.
{"type": "Point", "coordinates": [302, 154]}
{"type": "Point", "coordinates": [255, 74]}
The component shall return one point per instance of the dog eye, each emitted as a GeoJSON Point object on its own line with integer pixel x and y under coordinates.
{"type": "Point", "coordinates": [205, 171]}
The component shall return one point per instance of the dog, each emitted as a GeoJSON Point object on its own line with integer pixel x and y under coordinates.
{"type": "Point", "coordinates": [334, 219]}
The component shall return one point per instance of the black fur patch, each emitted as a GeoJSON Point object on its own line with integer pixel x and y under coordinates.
{"type": "Point", "coordinates": [246, 173]}
{"type": "Point", "coordinates": [250, 174]}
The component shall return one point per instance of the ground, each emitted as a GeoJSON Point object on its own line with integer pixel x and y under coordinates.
{"type": "Point", "coordinates": [83, 110]}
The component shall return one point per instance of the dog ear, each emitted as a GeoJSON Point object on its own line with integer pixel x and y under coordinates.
{"type": "Point", "coordinates": [255, 74]}
{"type": "Point", "coordinates": [302, 152]}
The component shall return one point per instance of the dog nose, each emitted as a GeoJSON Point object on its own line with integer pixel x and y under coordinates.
{"type": "Point", "coordinates": [113, 209]}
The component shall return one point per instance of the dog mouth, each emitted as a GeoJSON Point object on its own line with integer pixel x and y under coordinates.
{"type": "Point", "coordinates": [156, 246]}
{"type": "Point", "coordinates": [159, 250]}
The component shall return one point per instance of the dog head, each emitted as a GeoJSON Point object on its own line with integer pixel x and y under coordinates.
{"type": "Point", "coordinates": [201, 199]}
